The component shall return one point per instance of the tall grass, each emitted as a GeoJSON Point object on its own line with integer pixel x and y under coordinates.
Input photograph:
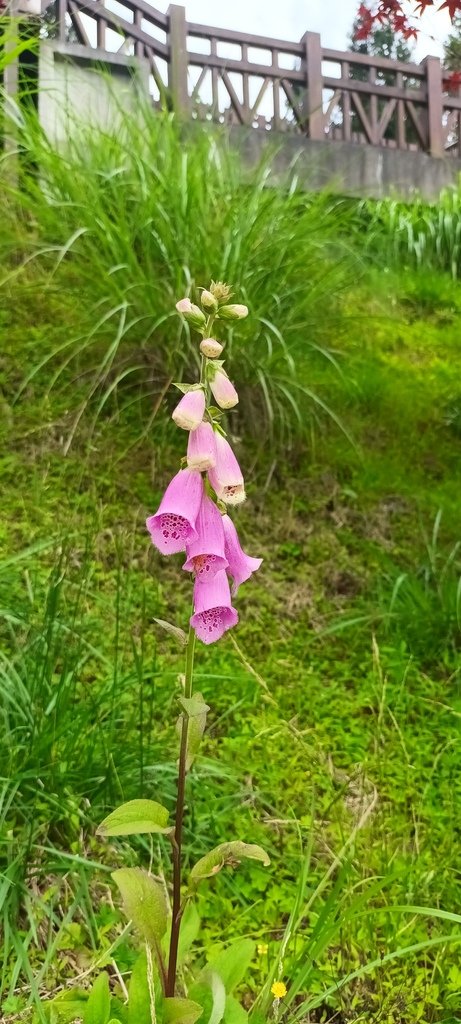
{"type": "Point", "coordinates": [424, 608]}
{"type": "Point", "coordinates": [66, 703]}
{"type": "Point", "coordinates": [124, 225]}
{"type": "Point", "coordinates": [414, 234]}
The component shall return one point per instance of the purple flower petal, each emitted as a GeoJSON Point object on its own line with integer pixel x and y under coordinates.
{"type": "Point", "coordinates": [213, 612]}
{"type": "Point", "coordinates": [226, 477]}
{"type": "Point", "coordinates": [201, 448]}
{"type": "Point", "coordinates": [241, 565]}
{"type": "Point", "coordinates": [173, 525]}
{"type": "Point", "coordinates": [205, 555]}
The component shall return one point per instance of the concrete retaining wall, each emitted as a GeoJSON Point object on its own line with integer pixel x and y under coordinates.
{"type": "Point", "coordinates": [351, 169]}
{"type": "Point", "coordinates": [92, 86]}
{"type": "Point", "coordinates": [89, 86]}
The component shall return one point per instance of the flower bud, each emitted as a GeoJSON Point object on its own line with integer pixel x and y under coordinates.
{"type": "Point", "coordinates": [192, 314]}
{"type": "Point", "coordinates": [201, 448]}
{"type": "Point", "coordinates": [223, 390]}
{"type": "Point", "coordinates": [209, 301]}
{"type": "Point", "coordinates": [211, 348]}
{"type": "Point", "coordinates": [189, 411]}
{"type": "Point", "coordinates": [220, 291]}
{"type": "Point", "coordinates": [233, 312]}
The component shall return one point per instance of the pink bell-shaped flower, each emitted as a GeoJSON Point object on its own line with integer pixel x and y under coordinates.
{"type": "Point", "coordinates": [241, 566]}
{"type": "Point", "coordinates": [201, 448]}
{"type": "Point", "coordinates": [226, 477]}
{"type": "Point", "coordinates": [173, 525]}
{"type": "Point", "coordinates": [189, 411]}
{"type": "Point", "coordinates": [213, 612]}
{"type": "Point", "coordinates": [205, 554]}
{"type": "Point", "coordinates": [223, 390]}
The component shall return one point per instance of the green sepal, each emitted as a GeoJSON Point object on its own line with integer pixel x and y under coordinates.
{"type": "Point", "coordinates": [144, 903]}
{"type": "Point", "coordinates": [181, 1011]}
{"type": "Point", "coordinates": [212, 366]}
{"type": "Point", "coordinates": [134, 818]}
{"type": "Point", "coordinates": [214, 412]}
{"type": "Point", "coordinates": [185, 388]}
{"type": "Point", "coordinates": [225, 853]}
{"type": "Point", "coordinates": [196, 711]}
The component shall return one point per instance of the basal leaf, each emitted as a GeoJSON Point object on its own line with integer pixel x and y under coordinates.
{"type": "Point", "coordinates": [226, 853]}
{"type": "Point", "coordinates": [234, 1012]}
{"type": "Point", "coordinates": [97, 1009]}
{"type": "Point", "coordinates": [134, 817]}
{"type": "Point", "coordinates": [138, 993]}
{"type": "Point", "coordinates": [209, 991]}
{"type": "Point", "coordinates": [181, 1011]}
{"type": "Point", "coordinates": [144, 902]}
{"type": "Point", "coordinates": [190, 929]}
{"type": "Point", "coordinates": [233, 962]}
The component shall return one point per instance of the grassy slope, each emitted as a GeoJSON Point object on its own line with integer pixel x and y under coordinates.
{"type": "Point", "coordinates": [336, 526]}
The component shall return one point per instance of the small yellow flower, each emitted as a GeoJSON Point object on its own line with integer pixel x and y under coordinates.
{"type": "Point", "coordinates": [262, 948]}
{"type": "Point", "coordinates": [279, 989]}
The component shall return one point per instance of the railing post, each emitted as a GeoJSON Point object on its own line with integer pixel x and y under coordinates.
{"type": "Point", "coordinates": [434, 106]}
{"type": "Point", "coordinates": [177, 71]}
{"type": "Point", "coordinates": [313, 103]}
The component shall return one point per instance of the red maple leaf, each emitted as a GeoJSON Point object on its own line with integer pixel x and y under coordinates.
{"type": "Point", "coordinates": [422, 4]}
{"type": "Point", "coordinates": [400, 23]}
{"type": "Point", "coordinates": [453, 7]}
{"type": "Point", "coordinates": [361, 35]}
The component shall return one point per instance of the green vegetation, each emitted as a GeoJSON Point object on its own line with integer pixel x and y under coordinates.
{"type": "Point", "coordinates": [336, 712]}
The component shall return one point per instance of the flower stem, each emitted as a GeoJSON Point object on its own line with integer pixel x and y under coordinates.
{"type": "Point", "coordinates": [177, 838]}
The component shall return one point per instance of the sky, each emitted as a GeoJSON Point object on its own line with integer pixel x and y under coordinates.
{"type": "Point", "coordinates": [289, 19]}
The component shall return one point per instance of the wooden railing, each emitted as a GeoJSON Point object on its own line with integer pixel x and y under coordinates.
{"type": "Point", "coordinates": [270, 84]}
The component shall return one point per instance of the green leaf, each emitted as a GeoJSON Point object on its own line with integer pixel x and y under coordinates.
{"type": "Point", "coordinates": [138, 994]}
{"type": "Point", "coordinates": [226, 853]}
{"type": "Point", "coordinates": [65, 1008]}
{"type": "Point", "coordinates": [234, 1012]}
{"type": "Point", "coordinates": [218, 995]}
{"type": "Point", "coordinates": [174, 631]}
{"type": "Point", "coordinates": [118, 1011]}
{"type": "Point", "coordinates": [97, 1009]}
{"type": "Point", "coordinates": [135, 817]}
{"type": "Point", "coordinates": [181, 1011]}
{"type": "Point", "coordinates": [209, 991]}
{"type": "Point", "coordinates": [233, 962]}
{"type": "Point", "coordinates": [196, 712]}
{"type": "Point", "coordinates": [190, 930]}
{"type": "Point", "coordinates": [144, 903]}
{"type": "Point", "coordinates": [193, 706]}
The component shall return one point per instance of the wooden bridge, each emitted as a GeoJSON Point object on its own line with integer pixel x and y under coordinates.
{"type": "Point", "coordinates": [269, 84]}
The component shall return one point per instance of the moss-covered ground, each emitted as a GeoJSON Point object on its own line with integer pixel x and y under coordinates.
{"type": "Point", "coordinates": [335, 705]}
